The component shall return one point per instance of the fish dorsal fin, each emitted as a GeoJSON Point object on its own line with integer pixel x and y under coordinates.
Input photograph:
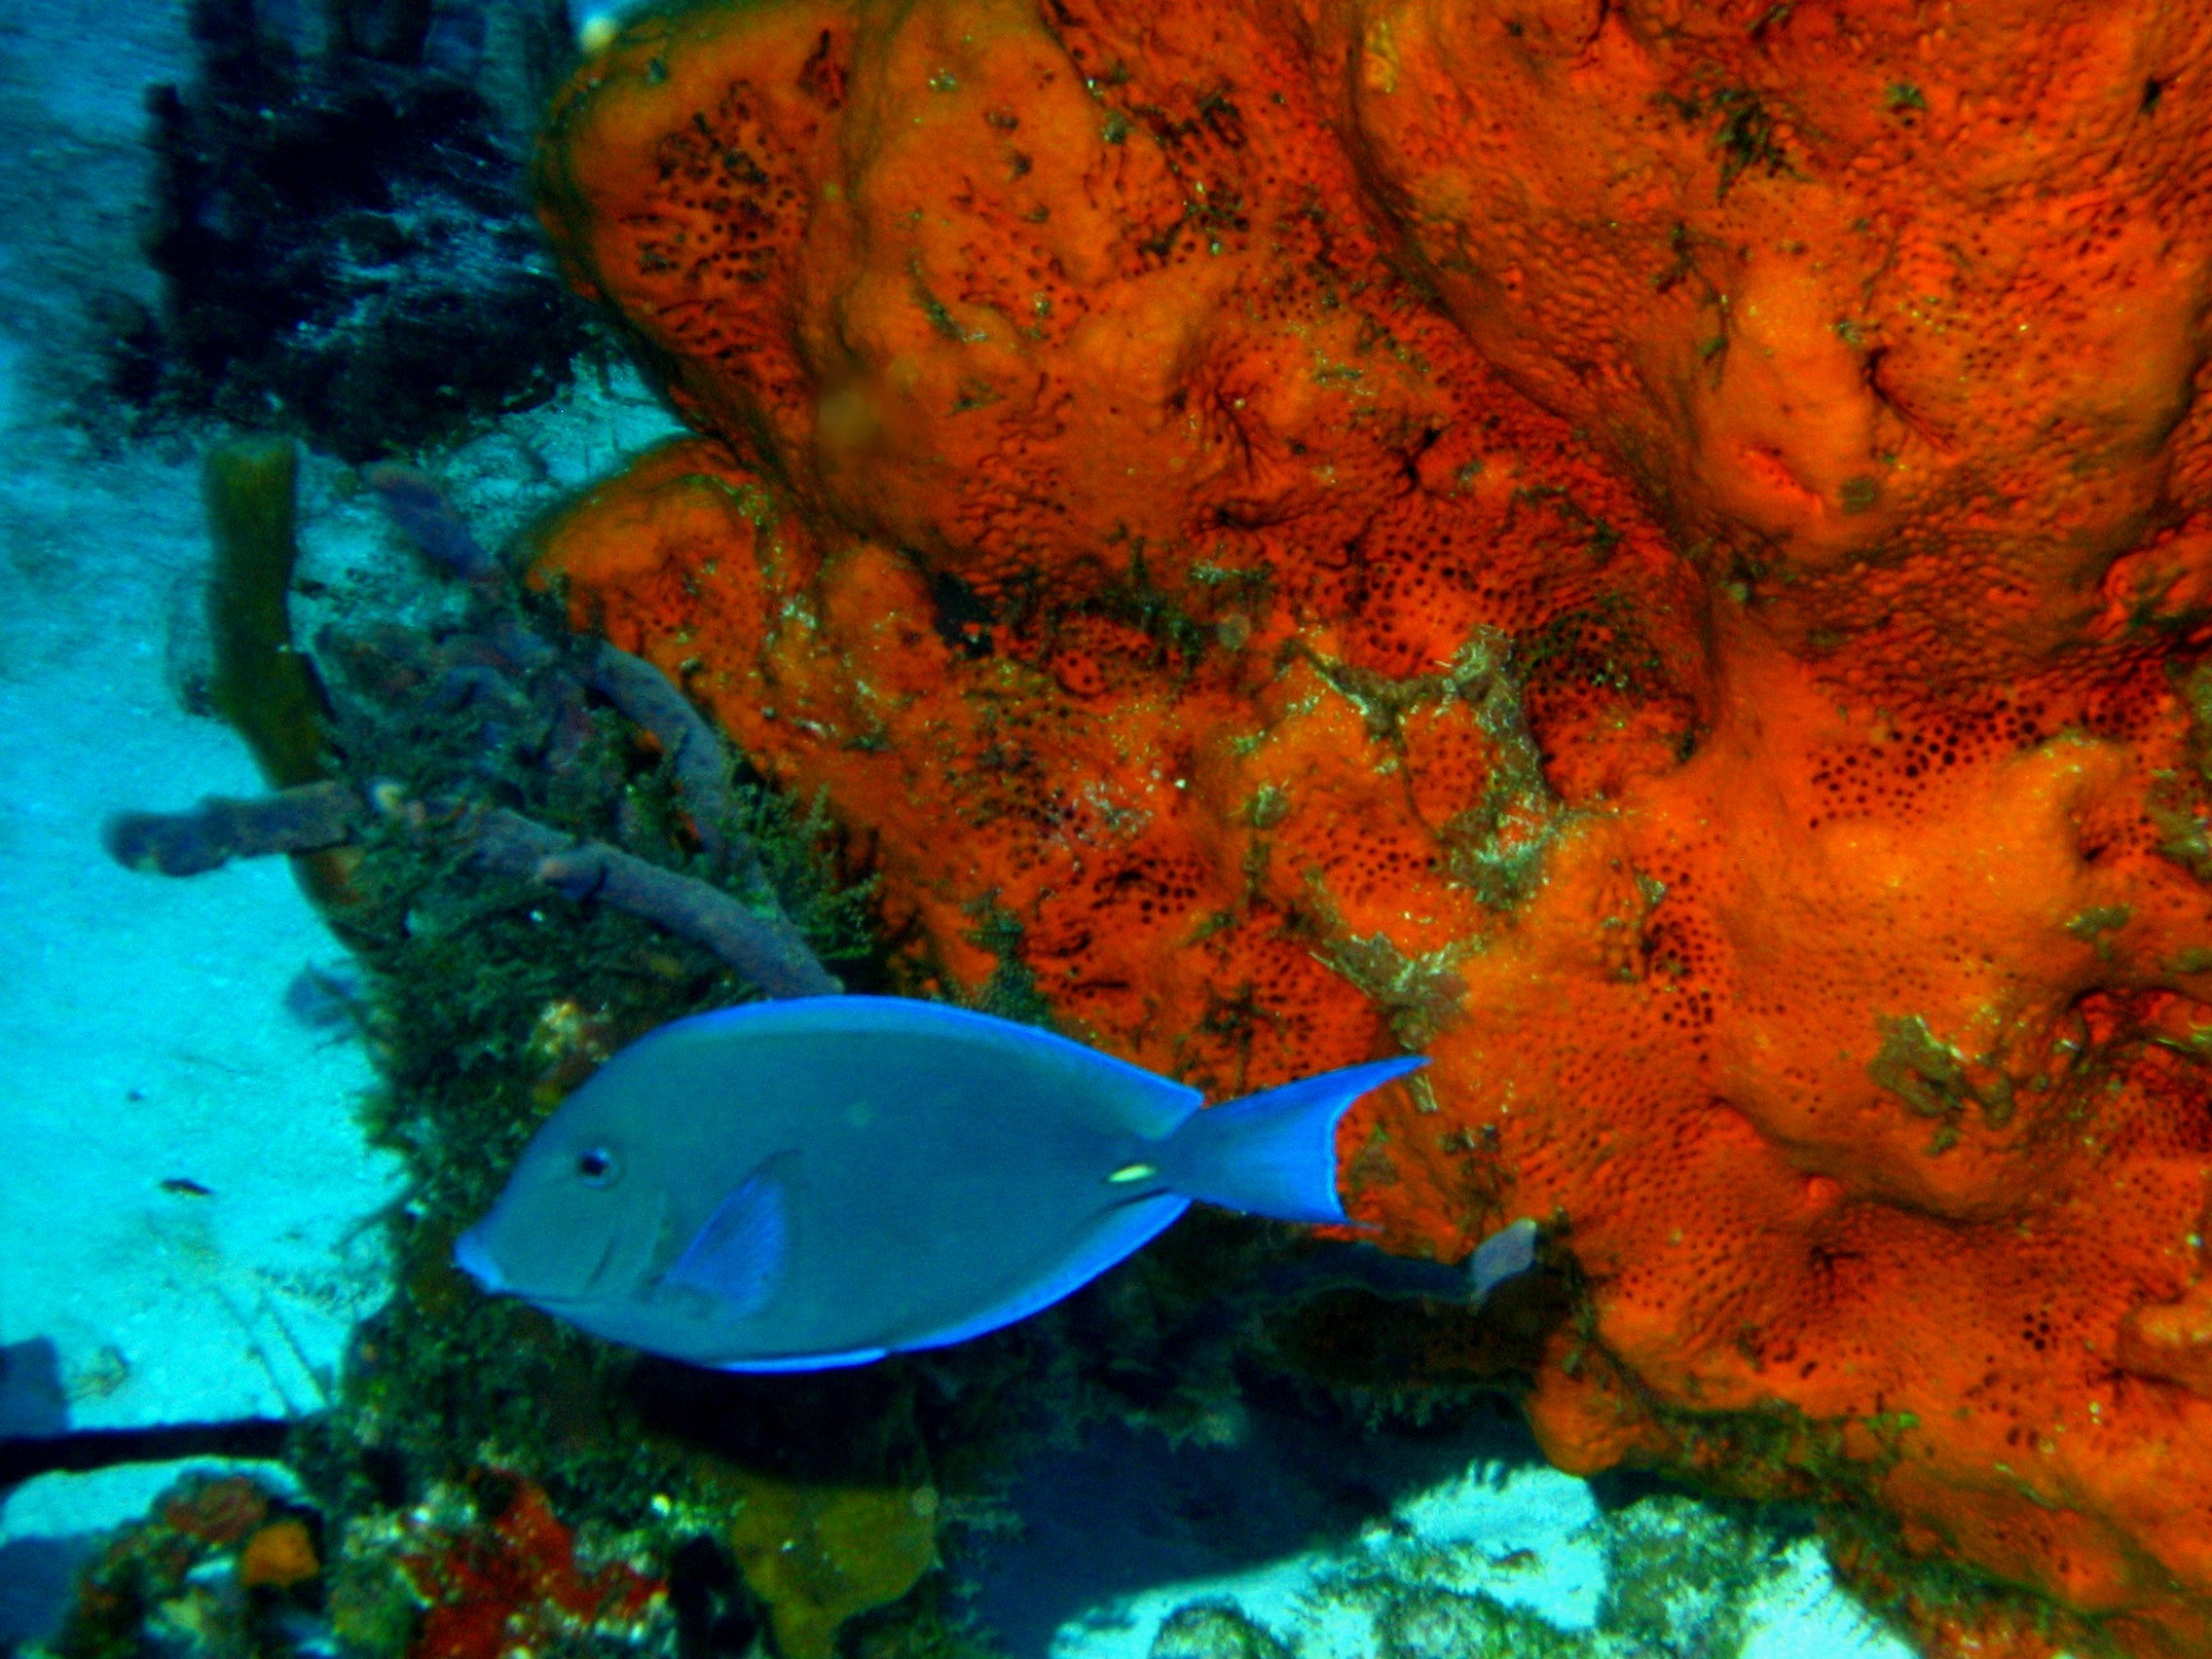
{"type": "Point", "coordinates": [1145, 1103]}
{"type": "Point", "coordinates": [738, 1257]}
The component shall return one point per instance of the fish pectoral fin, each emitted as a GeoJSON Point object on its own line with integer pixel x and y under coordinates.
{"type": "Point", "coordinates": [737, 1259]}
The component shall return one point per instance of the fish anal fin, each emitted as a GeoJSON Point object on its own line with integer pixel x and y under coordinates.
{"type": "Point", "coordinates": [1125, 1229]}
{"type": "Point", "coordinates": [806, 1361]}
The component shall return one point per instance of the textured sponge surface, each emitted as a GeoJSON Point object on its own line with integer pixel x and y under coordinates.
{"type": "Point", "coordinates": [1654, 553]}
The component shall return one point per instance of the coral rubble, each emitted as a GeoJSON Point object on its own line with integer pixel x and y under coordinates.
{"type": "Point", "coordinates": [1657, 552]}
{"type": "Point", "coordinates": [219, 1567]}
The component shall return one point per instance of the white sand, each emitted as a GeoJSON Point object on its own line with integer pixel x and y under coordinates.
{"type": "Point", "coordinates": [142, 1037]}
{"type": "Point", "coordinates": [142, 1031]}
{"type": "Point", "coordinates": [1516, 1534]}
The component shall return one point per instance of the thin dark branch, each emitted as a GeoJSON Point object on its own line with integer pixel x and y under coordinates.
{"type": "Point", "coordinates": [638, 690]}
{"type": "Point", "coordinates": [499, 659]}
{"type": "Point", "coordinates": [303, 820]}
{"type": "Point", "coordinates": [767, 949]}
{"type": "Point", "coordinates": [648, 697]}
{"type": "Point", "coordinates": [420, 512]}
{"type": "Point", "coordinates": [87, 1449]}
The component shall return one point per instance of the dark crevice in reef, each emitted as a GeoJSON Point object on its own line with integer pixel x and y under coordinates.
{"type": "Point", "coordinates": [342, 235]}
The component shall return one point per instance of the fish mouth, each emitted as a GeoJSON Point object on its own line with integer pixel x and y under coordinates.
{"type": "Point", "coordinates": [471, 1253]}
{"type": "Point", "coordinates": [599, 1268]}
{"type": "Point", "coordinates": [473, 1257]}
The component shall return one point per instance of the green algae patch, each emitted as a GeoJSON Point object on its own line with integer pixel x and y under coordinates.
{"type": "Point", "coordinates": [261, 684]}
{"type": "Point", "coordinates": [820, 1555]}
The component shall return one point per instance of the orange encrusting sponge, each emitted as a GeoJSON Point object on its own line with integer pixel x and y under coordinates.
{"type": "Point", "coordinates": [1656, 552]}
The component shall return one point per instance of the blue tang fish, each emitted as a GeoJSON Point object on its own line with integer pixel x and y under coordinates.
{"type": "Point", "coordinates": [791, 1186]}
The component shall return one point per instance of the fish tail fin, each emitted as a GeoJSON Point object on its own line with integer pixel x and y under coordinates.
{"type": "Point", "coordinates": [1274, 1154]}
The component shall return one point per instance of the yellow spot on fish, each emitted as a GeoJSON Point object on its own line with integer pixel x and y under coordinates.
{"type": "Point", "coordinates": [1133, 1172]}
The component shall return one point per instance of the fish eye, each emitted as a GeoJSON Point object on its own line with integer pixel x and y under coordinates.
{"type": "Point", "coordinates": [597, 1166]}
